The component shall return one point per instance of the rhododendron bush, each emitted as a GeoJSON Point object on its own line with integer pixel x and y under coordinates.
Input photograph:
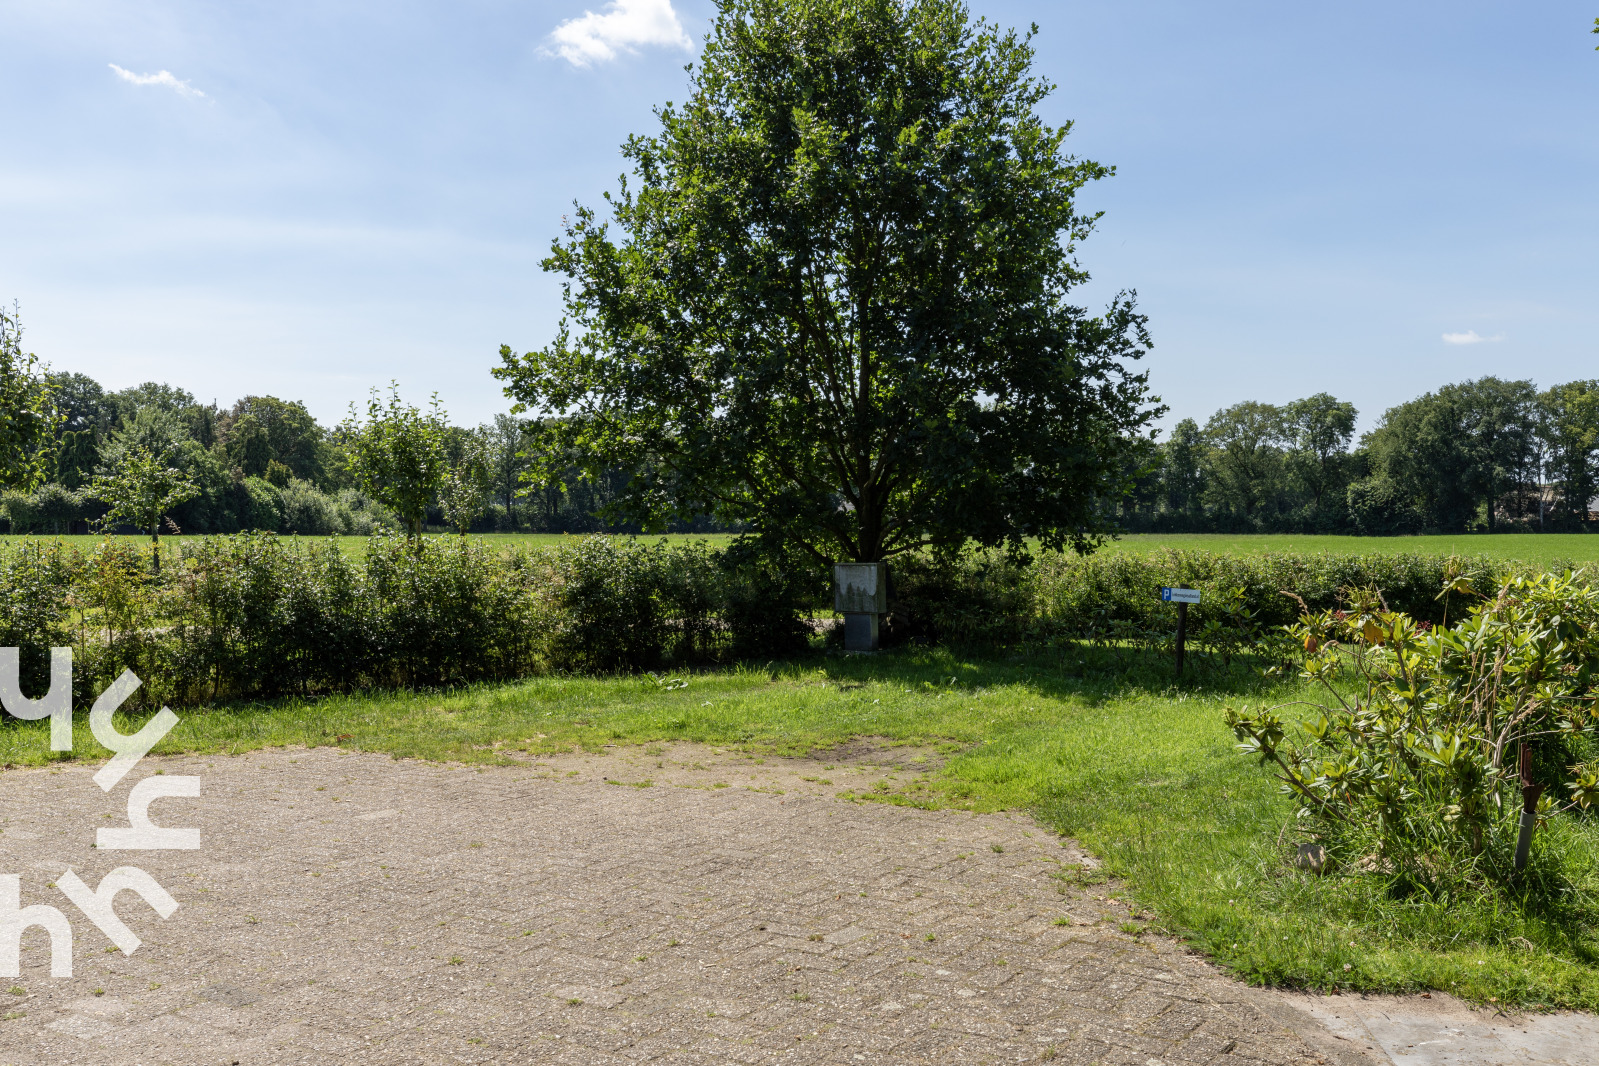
{"type": "Point", "coordinates": [1430, 742]}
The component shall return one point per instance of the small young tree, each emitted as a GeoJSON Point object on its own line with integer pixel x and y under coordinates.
{"type": "Point", "coordinates": [28, 417]}
{"type": "Point", "coordinates": [140, 491]}
{"type": "Point", "coordinates": [467, 486]}
{"type": "Point", "coordinates": [397, 454]}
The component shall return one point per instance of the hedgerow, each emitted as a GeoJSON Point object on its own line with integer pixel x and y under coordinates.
{"type": "Point", "coordinates": [254, 616]}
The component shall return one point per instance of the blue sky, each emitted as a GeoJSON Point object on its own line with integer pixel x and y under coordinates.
{"type": "Point", "coordinates": [308, 199]}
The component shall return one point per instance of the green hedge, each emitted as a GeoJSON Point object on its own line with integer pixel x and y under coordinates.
{"type": "Point", "coordinates": [988, 598]}
{"type": "Point", "coordinates": [255, 616]}
{"type": "Point", "coordinates": [1072, 591]}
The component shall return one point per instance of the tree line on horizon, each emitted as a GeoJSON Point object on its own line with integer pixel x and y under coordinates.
{"type": "Point", "coordinates": [264, 463]}
{"type": "Point", "coordinates": [1488, 454]}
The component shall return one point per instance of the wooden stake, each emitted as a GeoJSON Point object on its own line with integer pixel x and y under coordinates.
{"type": "Point", "coordinates": [1182, 633]}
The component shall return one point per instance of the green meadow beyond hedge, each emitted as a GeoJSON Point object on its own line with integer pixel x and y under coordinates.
{"type": "Point", "coordinates": [257, 616]}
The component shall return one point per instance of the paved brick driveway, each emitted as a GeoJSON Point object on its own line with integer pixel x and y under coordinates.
{"type": "Point", "coordinates": [349, 908]}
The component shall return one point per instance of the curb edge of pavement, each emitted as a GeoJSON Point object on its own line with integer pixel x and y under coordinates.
{"type": "Point", "coordinates": [1340, 1051]}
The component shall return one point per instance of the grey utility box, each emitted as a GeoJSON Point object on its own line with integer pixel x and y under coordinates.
{"type": "Point", "coordinates": [860, 594]}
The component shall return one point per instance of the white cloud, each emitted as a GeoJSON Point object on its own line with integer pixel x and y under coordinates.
{"type": "Point", "coordinates": [1471, 336]}
{"type": "Point", "coordinates": [164, 78]}
{"type": "Point", "coordinates": [623, 26]}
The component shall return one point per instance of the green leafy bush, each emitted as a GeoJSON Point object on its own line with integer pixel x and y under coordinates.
{"type": "Point", "coordinates": [975, 598]}
{"type": "Point", "coordinates": [1113, 598]}
{"type": "Point", "coordinates": [307, 510]}
{"type": "Point", "coordinates": [1420, 761]}
{"type": "Point", "coordinates": [34, 614]}
{"type": "Point", "coordinates": [254, 615]}
{"type": "Point", "coordinates": [359, 515]}
{"type": "Point", "coordinates": [623, 604]}
{"type": "Point", "coordinates": [262, 506]}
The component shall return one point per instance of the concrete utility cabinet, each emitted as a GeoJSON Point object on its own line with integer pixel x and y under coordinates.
{"type": "Point", "coordinates": [860, 594]}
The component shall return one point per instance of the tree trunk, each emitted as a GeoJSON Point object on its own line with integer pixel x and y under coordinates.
{"type": "Point", "coordinates": [155, 546]}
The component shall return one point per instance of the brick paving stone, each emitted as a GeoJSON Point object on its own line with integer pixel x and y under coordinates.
{"type": "Point", "coordinates": [352, 908]}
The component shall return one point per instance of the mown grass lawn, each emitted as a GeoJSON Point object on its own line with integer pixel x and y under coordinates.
{"type": "Point", "coordinates": [1541, 549]}
{"type": "Point", "coordinates": [1099, 744]}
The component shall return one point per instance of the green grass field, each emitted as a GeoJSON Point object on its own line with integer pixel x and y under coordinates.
{"type": "Point", "coordinates": [1540, 549]}
{"type": "Point", "coordinates": [1098, 743]}
{"type": "Point", "coordinates": [1536, 548]}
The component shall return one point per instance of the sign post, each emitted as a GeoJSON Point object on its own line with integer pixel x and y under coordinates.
{"type": "Point", "coordinates": [1182, 598]}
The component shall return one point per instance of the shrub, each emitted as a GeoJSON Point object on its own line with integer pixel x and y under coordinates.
{"type": "Point", "coordinates": [58, 506]}
{"type": "Point", "coordinates": [261, 506]}
{"type": "Point", "coordinates": [33, 610]}
{"type": "Point", "coordinates": [975, 598]}
{"type": "Point", "coordinates": [307, 511]}
{"type": "Point", "coordinates": [359, 515]}
{"type": "Point", "coordinates": [1077, 594]}
{"type": "Point", "coordinates": [1412, 770]}
{"type": "Point", "coordinates": [764, 598]}
{"type": "Point", "coordinates": [254, 615]}
{"type": "Point", "coordinates": [606, 615]}
{"type": "Point", "coordinates": [19, 510]}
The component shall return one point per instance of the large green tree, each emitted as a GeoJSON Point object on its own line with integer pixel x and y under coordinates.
{"type": "Point", "coordinates": [1245, 462]}
{"type": "Point", "coordinates": [1458, 450]}
{"type": "Point", "coordinates": [1500, 427]}
{"type": "Point", "coordinates": [1183, 469]}
{"type": "Point", "coordinates": [836, 305]}
{"type": "Point", "coordinates": [1421, 451]}
{"type": "Point", "coordinates": [1570, 431]}
{"type": "Point", "coordinates": [1318, 430]}
{"type": "Point", "coordinates": [260, 430]}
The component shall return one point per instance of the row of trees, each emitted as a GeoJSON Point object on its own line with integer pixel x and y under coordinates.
{"type": "Point", "coordinates": [1484, 454]}
{"type": "Point", "coordinates": [74, 454]}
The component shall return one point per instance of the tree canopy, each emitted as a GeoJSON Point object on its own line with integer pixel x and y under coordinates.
{"type": "Point", "coordinates": [836, 307]}
{"type": "Point", "coordinates": [28, 416]}
{"type": "Point", "coordinates": [397, 453]}
{"type": "Point", "coordinates": [140, 490]}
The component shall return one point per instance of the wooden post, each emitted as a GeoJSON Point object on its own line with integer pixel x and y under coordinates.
{"type": "Point", "coordinates": [1530, 794]}
{"type": "Point", "coordinates": [1182, 633]}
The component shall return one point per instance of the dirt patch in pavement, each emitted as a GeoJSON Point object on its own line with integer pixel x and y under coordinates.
{"type": "Point", "coordinates": [861, 765]}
